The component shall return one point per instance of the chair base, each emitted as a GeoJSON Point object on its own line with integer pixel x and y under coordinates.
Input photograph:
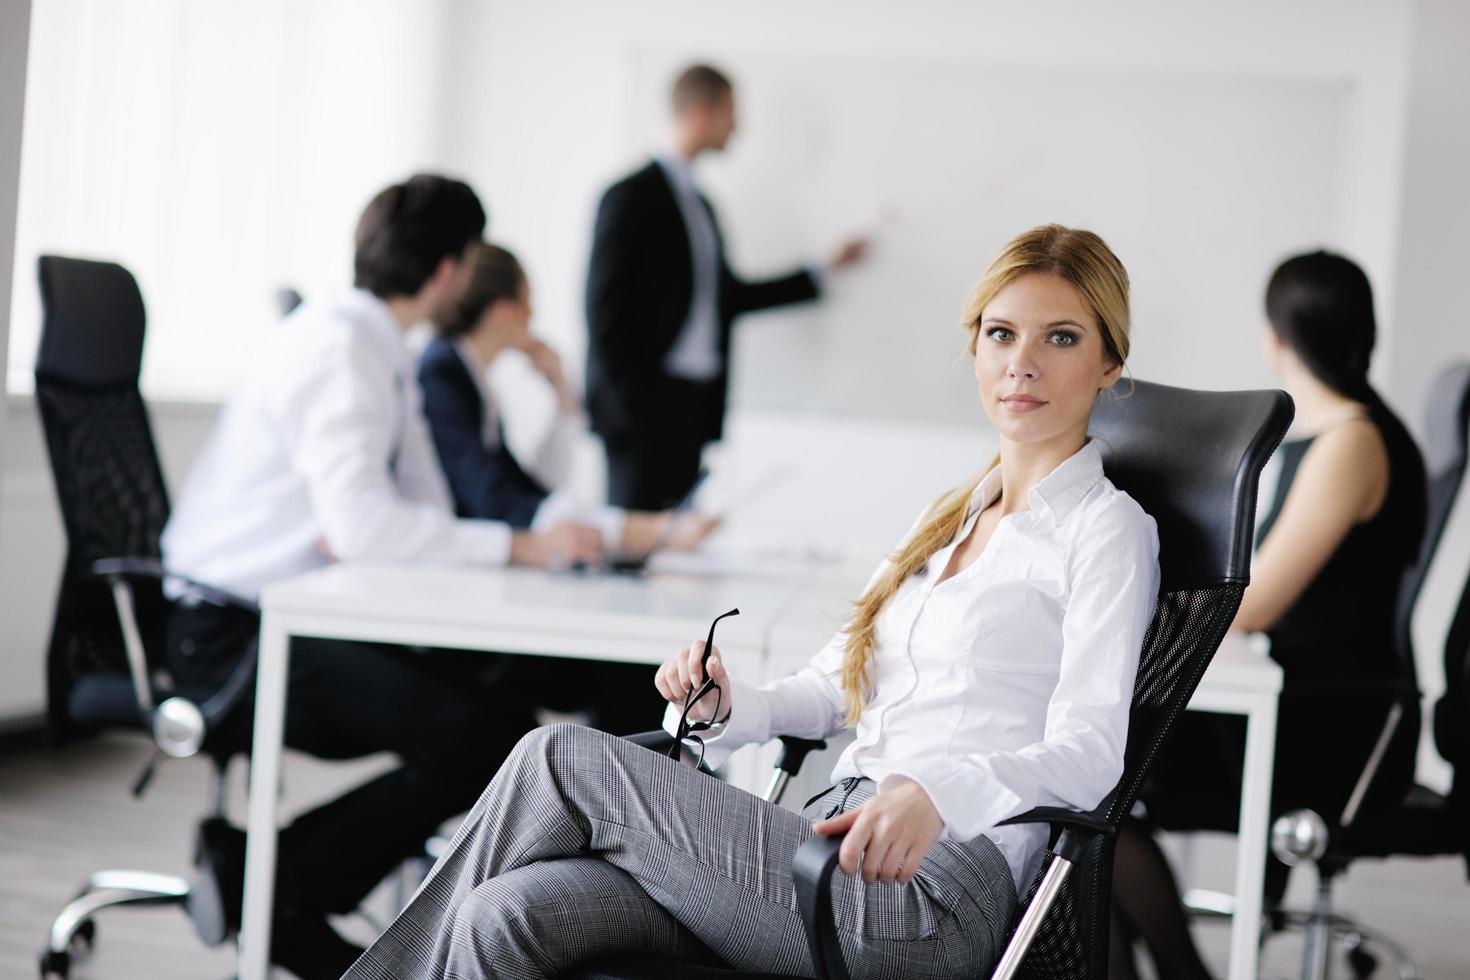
{"type": "Point", "coordinates": [73, 931]}
{"type": "Point", "coordinates": [1359, 944]}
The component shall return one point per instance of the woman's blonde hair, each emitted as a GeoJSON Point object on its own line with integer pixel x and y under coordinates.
{"type": "Point", "coordinates": [1078, 257]}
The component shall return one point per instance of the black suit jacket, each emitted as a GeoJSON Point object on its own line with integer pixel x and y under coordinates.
{"type": "Point", "coordinates": [639, 287]}
{"type": "Point", "coordinates": [485, 482]}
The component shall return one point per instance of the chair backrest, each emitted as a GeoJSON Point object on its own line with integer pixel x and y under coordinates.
{"type": "Point", "coordinates": [1446, 417]}
{"type": "Point", "coordinates": [103, 460]}
{"type": "Point", "coordinates": [1447, 444]}
{"type": "Point", "coordinates": [1192, 460]}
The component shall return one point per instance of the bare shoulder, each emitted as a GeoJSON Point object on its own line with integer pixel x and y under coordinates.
{"type": "Point", "coordinates": [1350, 460]}
{"type": "Point", "coordinates": [1355, 445]}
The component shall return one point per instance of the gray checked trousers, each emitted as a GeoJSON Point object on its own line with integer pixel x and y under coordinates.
{"type": "Point", "coordinates": [585, 846]}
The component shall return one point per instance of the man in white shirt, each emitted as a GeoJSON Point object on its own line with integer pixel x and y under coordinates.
{"type": "Point", "coordinates": [661, 301]}
{"type": "Point", "coordinates": [324, 454]}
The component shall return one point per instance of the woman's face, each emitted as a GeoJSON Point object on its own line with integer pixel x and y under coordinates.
{"type": "Point", "coordinates": [1040, 361]}
{"type": "Point", "coordinates": [509, 320]}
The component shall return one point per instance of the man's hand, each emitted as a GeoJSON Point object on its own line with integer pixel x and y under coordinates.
{"type": "Point", "coordinates": [557, 548]}
{"type": "Point", "coordinates": [643, 528]}
{"type": "Point", "coordinates": [848, 253]}
{"type": "Point", "coordinates": [690, 530]}
{"type": "Point", "coordinates": [680, 674]}
{"type": "Point", "coordinates": [891, 833]}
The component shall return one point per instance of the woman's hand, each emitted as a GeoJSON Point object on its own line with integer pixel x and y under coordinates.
{"type": "Point", "coordinates": [680, 674]}
{"type": "Point", "coordinates": [547, 363]}
{"type": "Point", "coordinates": [891, 833]}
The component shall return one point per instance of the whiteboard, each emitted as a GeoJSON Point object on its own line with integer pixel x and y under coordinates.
{"type": "Point", "coordinates": [1199, 183]}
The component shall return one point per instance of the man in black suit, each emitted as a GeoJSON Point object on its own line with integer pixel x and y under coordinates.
{"type": "Point", "coordinates": [661, 300]}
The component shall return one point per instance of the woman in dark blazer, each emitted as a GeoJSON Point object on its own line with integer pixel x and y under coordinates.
{"type": "Point", "coordinates": [492, 315]}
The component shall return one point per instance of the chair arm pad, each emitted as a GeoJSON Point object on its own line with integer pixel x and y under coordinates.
{"type": "Point", "coordinates": [811, 871]}
{"type": "Point", "coordinates": [660, 741]}
{"type": "Point", "coordinates": [153, 568]}
{"type": "Point", "coordinates": [1073, 829]}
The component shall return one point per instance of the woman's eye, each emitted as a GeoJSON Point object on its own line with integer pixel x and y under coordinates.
{"type": "Point", "coordinates": [1064, 338]}
{"type": "Point", "coordinates": [998, 334]}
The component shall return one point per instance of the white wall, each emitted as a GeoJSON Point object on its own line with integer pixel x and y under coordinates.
{"type": "Point", "coordinates": [553, 107]}
{"type": "Point", "coordinates": [15, 18]}
{"type": "Point", "coordinates": [218, 151]}
{"type": "Point", "coordinates": [14, 39]}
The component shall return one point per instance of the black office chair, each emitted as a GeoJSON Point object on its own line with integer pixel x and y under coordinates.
{"type": "Point", "coordinates": [287, 299]}
{"type": "Point", "coordinates": [1192, 460]}
{"type": "Point", "coordinates": [1426, 823]}
{"type": "Point", "coordinates": [105, 665]}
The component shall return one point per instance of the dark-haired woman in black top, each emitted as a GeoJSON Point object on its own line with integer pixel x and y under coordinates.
{"type": "Point", "coordinates": [1343, 529]}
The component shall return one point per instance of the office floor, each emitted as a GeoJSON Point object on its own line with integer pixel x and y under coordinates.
{"type": "Point", "coordinates": [65, 813]}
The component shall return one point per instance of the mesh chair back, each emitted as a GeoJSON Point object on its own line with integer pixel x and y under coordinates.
{"type": "Point", "coordinates": [104, 463]}
{"type": "Point", "coordinates": [1192, 460]}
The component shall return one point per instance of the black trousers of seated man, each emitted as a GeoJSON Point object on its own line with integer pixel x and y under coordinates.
{"type": "Point", "coordinates": [445, 714]}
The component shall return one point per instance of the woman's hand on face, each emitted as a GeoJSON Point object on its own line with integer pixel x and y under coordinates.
{"type": "Point", "coordinates": [891, 833]}
{"type": "Point", "coordinates": [547, 363]}
{"type": "Point", "coordinates": [681, 674]}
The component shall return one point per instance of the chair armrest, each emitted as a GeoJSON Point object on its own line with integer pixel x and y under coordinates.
{"type": "Point", "coordinates": [811, 871]}
{"type": "Point", "coordinates": [660, 741]}
{"type": "Point", "coordinates": [119, 567]}
{"type": "Point", "coordinates": [1073, 829]}
{"type": "Point", "coordinates": [794, 752]}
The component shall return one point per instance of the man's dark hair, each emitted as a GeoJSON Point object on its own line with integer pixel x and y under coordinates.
{"type": "Point", "coordinates": [700, 85]}
{"type": "Point", "coordinates": [494, 275]}
{"type": "Point", "coordinates": [409, 228]}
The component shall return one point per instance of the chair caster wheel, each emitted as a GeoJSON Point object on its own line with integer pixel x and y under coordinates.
{"type": "Point", "coordinates": [1361, 962]}
{"type": "Point", "coordinates": [54, 965]}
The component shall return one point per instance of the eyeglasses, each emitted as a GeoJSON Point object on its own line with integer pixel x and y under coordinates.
{"type": "Point", "coordinates": [686, 730]}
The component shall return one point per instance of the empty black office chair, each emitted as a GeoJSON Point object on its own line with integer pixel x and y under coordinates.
{"type": "Point", "coordinates": [1192, 460]}
{"type": "Point", "coordinates": [287, 299]}
{"type": "Point", "coordinates": [105, 665]}
{"type": "Point", "coordinates": [1426, 823]}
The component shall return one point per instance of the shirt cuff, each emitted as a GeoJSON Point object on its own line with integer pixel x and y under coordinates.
{"type": "Point", "coordinates": [480, 542]}
{"type": "Point", "coordinates": [611, 522]}
{"type": "Point", "coordinates": [748, 721]}
{"type": "Point", "coordinates": [558, 506]}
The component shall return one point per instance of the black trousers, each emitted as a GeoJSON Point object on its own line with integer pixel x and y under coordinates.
{"type": "Point", "coordinates": [652, 467]}
{"type": "Point", "coordinates": [445, 715]}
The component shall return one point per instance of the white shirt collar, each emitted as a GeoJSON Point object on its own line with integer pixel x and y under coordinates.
{"type": "Point", "coordinates": [472, 365]}
{"type": "Point", "coordinates": [679, 170]}
{"type": "Point", "coordinates": [1058, 492]}
{"type": "Point", "coordinates": [380, 323]}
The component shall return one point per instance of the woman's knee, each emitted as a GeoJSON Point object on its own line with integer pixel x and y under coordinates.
{"type": "Point", "coordinates": [557, 743]}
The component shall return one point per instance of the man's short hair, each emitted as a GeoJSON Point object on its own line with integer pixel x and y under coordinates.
{"type": "Point", "coordinates": [700, 85]}
{"type": "Point", "coordinates": [409, 228]}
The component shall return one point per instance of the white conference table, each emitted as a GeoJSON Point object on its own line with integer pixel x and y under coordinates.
{"type": "Point", "coordinates": [636, 621]}
{"type": "Point", "coordinates": [612, 618]}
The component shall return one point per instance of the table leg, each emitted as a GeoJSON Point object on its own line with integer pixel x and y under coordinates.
{"type": "Point", "coordinates": [1250, 856]}
{"type": "Point", "coordinates": [265, 782]}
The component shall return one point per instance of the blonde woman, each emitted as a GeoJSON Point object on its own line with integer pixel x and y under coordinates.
{"type": "Point", "coordinates": [988, 668]}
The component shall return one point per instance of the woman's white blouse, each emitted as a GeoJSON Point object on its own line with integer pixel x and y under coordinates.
{"type": "Point", "coordinates": [1004, 687]}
